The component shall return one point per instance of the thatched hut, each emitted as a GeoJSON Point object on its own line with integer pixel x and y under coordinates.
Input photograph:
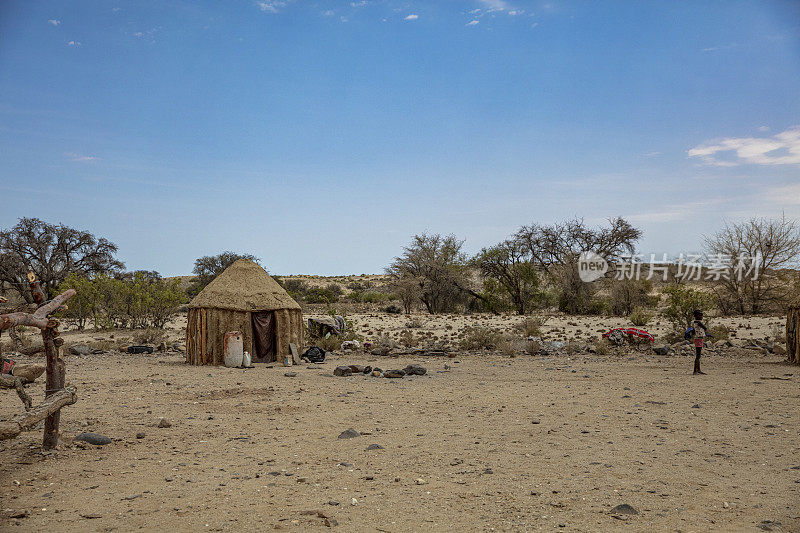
{"type": "Point", "coordinates": [243, 298]}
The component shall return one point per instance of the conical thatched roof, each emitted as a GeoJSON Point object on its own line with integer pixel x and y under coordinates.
{"type": "Point", "coordinates": [244, 286]}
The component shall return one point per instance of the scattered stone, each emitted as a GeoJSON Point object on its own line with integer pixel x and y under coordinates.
{"type": "Point", "coordinates": [333, 502]}
{"type": "Point", "coordinates": [374, 447]}
{"type": "Point", "coordinates": [394, 374]}
{"type": "Point", "coordinates": [132, 497]}
{"type": "Point", "coordinates": [331, 522]}
{"type": "Point", "coordinates": [488, 471]}
{"type": "Point", "coordinates": [290, 374]}
{"type": "Point", "coordinates": [141, 435]}
{"type": "Point", "coordinates": [342, 371]}
{"type": "Point", "coordinates": [536, 421]}
{"type": "Point", "coordinates": [696, 406]}
{"type": "Point", "coordinates": [349, 434]}
{"type": "Point", "coordinates": [415, 370]}
{"type": "Point", "coordinates": [624, 509]}
{"type": "Point", "coordinates": [419, 481]}
{"type": "Point", "coordinates": [20, 514]}
{"type": "Point", "coordinates": [164, 423]}
{"type": "Point", "coordinates": [91, 515]}
{"type": "Point", "coordinates": [662, 350]}
{"type": "Point", "coordinates": [80, 349]}
{"type": "Point", "coordinates": [93, 438]}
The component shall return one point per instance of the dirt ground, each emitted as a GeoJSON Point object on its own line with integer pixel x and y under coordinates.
{"type": "Point", "coordinates": [483, 442]}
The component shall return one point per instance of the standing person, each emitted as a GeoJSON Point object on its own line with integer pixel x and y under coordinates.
{"type": "Point", "coordinates": [700, 332]}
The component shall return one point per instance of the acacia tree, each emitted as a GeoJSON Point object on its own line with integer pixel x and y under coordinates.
{"type": "Point", "coordinates": [508, 263]}
{"type": "Point", "coordinates": [758, 246]}
{"type": "Point", "coordinates": [438, 266]}
{"type": "Point", "coordinates": [555, 250]}
{"type": "Point", "coordinates": [208, 267]}
{"type": "Point", "coordinates": [52, 252]}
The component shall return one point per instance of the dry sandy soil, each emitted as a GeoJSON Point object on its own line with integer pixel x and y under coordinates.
{"type": "Point", "coordinates": [482, 442]}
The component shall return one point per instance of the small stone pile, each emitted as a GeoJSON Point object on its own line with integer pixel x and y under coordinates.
{"type": "Point", "coordinates": [349, 370]}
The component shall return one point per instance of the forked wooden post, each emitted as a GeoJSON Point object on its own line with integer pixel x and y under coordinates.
{"type": "Point", "coordinates": [793, 335]}
{"type": "Point", "coordinates": [55, 365]}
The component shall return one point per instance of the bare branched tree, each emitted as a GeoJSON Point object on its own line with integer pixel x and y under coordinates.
{"type": "Point", "coordinates": [555, 250]}
{"type": "Point", "coordinates": [52, 252]}
{"type": "Point", "coordinates": [762, 246]}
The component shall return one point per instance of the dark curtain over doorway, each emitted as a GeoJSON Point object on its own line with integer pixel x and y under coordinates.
{"type": "Point", "coordinates": [264, 336]}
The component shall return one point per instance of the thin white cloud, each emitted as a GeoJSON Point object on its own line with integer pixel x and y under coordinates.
{"type": "Point", "coordinates": [73, 43]}
{"type": "Point", "coordinates": [763, 128]}
{"type": "Point", "coordinates": [329, 13]}
{"type": "Point", "coordinates": [674, 212]}
{"type": "Point", "coordinates": [270, 6]}
{"type": "Point", "coordinates": [495, 5]}
{"type": "Point", "coordinates": [54, 22]}
{"type": "Point", "coordinates": [473, 22]}
{"type": "Point", "coordinates": [78, 157]}
{"type": "Point", "coordinates": [651, 154]}
{"type": "Point", "coordinates": [412, 17]}
{"type": "Point", "coordinates": [780, 149]}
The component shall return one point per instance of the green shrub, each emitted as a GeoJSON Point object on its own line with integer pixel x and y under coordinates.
{"type": "Point", "coordinates": [640, 317]}
{"type": "Point", "coordinates": [320, 295]}
{"type": "Point", "coordinates": [681, 302]}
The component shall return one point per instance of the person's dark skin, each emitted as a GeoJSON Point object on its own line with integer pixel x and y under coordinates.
{"type": "Point", "coordinates": [698, 316]}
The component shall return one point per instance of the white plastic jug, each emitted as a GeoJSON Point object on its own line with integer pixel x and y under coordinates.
{"type": "Point", "coordinates": [233, 346]}
{"type": "Point", "coordinates": [246, 361]}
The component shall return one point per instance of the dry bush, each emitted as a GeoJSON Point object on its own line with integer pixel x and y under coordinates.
{"type": "Point", "coordinates": [640, 317]}
{"type": "Point", "coordinates": [106, 345]}
{"type": "Point", "coordinates": [414, 323]}
{"type": "Point", "coordinates": [531, 327]}
{"type": "Point", "coordinates": [601, 347]}
{"type": "Point", "coordinates": [406, 338]}
{"type": "Point", "coordinates": [719, 332]}
{"type": "Point", "coordinates": [480, 338]}
{"type": "Point", "coordinates": [533, 347]}
{"type": "Point", "coordinates": [150, 336]}
{"type": "Point", "coordinates": [384, 341]}
{"type": "Point", "coordinates": [328, 343]}
{"type": "Point", "coordinates": [573, 347]}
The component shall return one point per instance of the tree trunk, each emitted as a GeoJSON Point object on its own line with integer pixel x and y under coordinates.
{"type": "Point", "coordinates": [55, 383]}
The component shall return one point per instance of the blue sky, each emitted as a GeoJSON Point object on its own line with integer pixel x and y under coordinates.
{"type": "Point", "coordinates": [320, 136]}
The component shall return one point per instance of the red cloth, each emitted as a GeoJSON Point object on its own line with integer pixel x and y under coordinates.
{"type": "Point", "coordinates": [698, 343]}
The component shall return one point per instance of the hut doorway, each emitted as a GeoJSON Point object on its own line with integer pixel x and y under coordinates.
{"type": "Point", "coordinates": [264, 336]}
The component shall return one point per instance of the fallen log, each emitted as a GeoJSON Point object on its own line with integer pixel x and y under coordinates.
{"type": "Point", "coordinates": [27, 421]}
